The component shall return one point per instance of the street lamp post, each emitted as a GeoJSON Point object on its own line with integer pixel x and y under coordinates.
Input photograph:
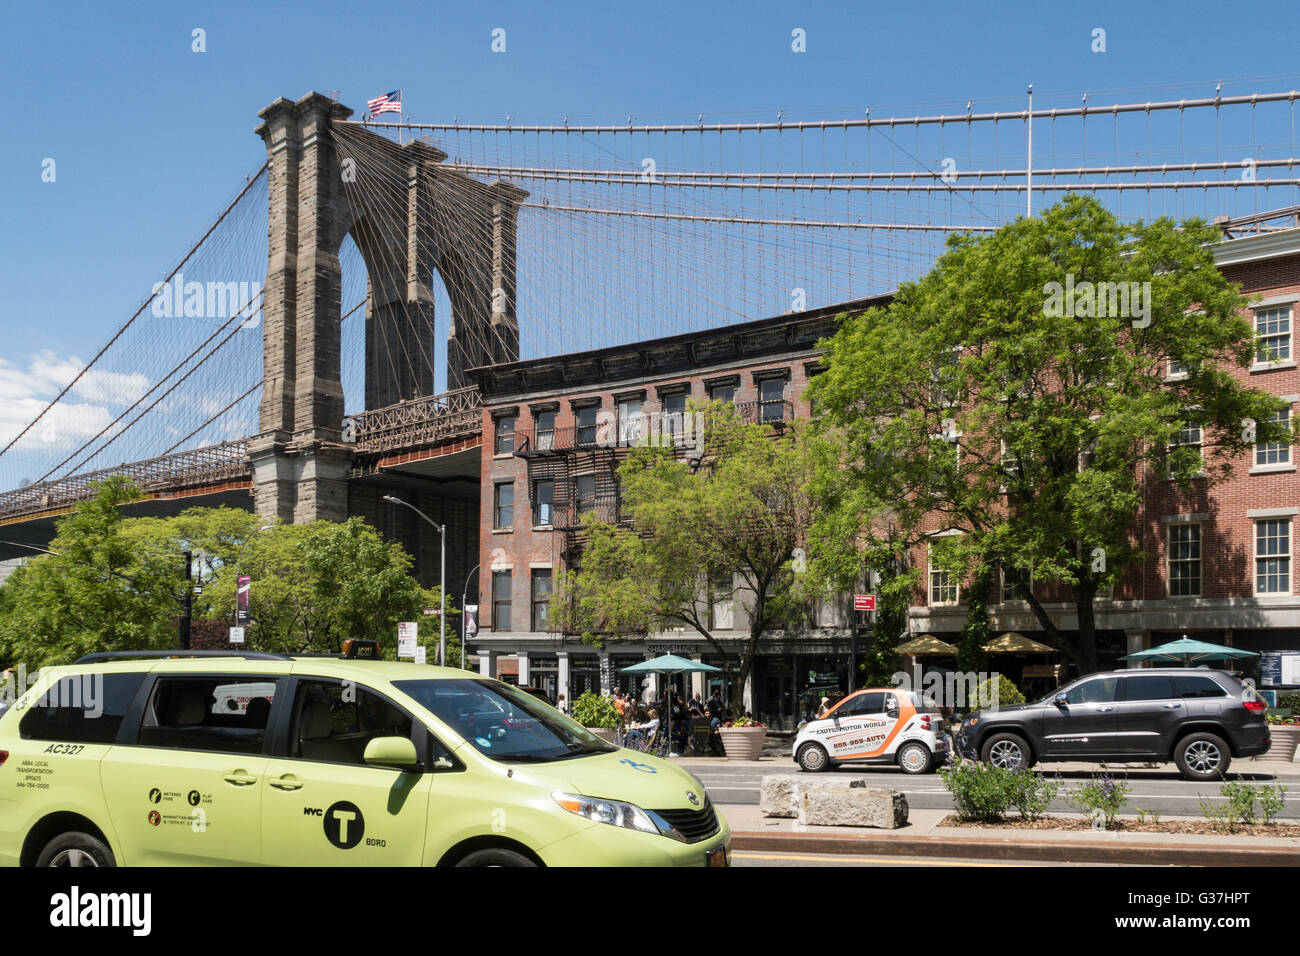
{"type": "Point", "coordinates": [464, 620]}
{"type": "Point", "coordinates": [442, 570]}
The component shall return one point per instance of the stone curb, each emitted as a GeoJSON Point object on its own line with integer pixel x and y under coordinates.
{"type": "Point", "coordinates": [1155, 854]}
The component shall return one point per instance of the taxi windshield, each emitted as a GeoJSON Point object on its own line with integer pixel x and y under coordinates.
{"type": "Point", "coordinates": [503, 722]}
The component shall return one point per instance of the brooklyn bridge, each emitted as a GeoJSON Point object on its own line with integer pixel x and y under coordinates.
{"type": "Point", "coordinates": [319, 346]}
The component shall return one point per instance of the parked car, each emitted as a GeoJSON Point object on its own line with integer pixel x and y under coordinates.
{"type": "Point", "coordinates": [876, 725]}
{"type": "Point", "coordinates": [1200, 719]}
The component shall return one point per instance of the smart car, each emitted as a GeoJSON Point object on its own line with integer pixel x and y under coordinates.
{"type": "Point", "coordinates": [876, 725]}
{"type": "Point", "coordinates": [141, 759]}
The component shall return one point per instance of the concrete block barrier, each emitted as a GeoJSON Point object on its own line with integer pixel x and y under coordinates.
{"type": "Point", "coordinates": [780, 795]}
{"type": "Point", "coordinates": [856, 807]}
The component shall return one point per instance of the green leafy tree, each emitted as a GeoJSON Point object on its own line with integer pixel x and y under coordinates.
{"type": "Point", "coordinates": [724, 530]}
{"type": "Point", "coordinates": [983, 400]}
{"type": "Point", "coordinates": [98, 591]}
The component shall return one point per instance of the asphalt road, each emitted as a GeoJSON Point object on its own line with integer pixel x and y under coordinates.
{"type": "Point", "coordinates": [1159, 790]}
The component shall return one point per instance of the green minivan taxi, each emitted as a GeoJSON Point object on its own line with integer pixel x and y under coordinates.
{"type": "Point", "coordinates": [215, 758]}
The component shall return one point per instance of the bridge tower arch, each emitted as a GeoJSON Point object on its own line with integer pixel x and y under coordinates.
{"type": "Point", "coordinates": [409, 216]}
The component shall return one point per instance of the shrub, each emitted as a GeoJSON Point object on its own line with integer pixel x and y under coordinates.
{"type": "Point", "coordinates": [593, 710]}
{"type": "Point", "coordinates": [1032, 793]}
{"type": "Point", "coordinates": [1007, 692]}
{"type": "Point", "coordinates": [980, 792]}
{"type": "Point", "coordinates": [1102, 798]}
{"type": "Point", "coordinates": [1246, 804]}
{"type": "Point", "coordinates": [1289, 700]}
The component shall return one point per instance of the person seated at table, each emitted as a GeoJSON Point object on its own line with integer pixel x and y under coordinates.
{"type": "Point", "coordinates": [645, 731]}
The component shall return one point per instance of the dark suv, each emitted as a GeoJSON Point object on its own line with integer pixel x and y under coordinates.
{"type": "Point", "coordinates": [1200, 719]}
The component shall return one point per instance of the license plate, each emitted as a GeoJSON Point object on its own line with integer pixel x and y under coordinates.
{"type": "Point", "coordinates": [716, 857]}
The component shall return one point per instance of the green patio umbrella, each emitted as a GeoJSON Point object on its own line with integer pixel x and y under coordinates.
{"type": "Point", "coordinates": [1188, 651]}
{"type": "Point", "coordinates": [669, 664]}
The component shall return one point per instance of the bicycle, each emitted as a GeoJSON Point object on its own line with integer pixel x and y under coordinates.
{"type": "Point", "coordinates": [639, 742]}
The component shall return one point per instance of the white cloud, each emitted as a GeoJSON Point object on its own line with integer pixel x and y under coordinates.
{"type": "Point", "coordinates": [82, 414]}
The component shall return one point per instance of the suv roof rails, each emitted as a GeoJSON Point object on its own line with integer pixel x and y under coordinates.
{"type": "Point", "coordinates": [105, 656]}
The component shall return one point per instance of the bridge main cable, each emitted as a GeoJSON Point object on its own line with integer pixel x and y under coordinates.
{"type": "Point", "coordinates": [138, 312]}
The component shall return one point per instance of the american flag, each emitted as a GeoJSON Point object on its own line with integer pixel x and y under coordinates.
{"type": "Point", "coordinates": [388, 103]}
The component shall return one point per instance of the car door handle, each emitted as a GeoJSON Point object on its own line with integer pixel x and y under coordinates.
{"type": "Point", "coordinates": [1104, 710]}
{"type": "Point", "coordinates": [1172, 706]}
{"type": "Point", "coordinates": [287, 782]}
{"type": "Point", "coordinates": [240, 778]}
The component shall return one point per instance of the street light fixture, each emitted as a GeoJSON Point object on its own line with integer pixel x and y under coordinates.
{"type": "Point", "coordinates": [442, 586]}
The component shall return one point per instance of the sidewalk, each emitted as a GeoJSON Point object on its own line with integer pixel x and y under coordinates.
{"type": "Point", "coordinates": [923, 837]}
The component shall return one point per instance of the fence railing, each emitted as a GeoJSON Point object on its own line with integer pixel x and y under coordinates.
{"type": "Point", "coordinates": [419, 421]}
{"type": "Point", "coordinates": [227, 461]}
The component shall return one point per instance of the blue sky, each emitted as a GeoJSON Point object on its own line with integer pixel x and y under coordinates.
{"type": "Point", "coordinates": [151, 139]}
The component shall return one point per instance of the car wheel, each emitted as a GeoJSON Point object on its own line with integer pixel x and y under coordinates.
{"type": "Point", "coordinates": [76, 849]}
{"type": "Point", "coordinates": [1202, 757]}
{"type": "Point", "coordinates": [812, 757]}
{"type": "Point", "coordinates": [495, 857]}
{"type": "Point", "coordinates": [1007, 751]}
{"type": "Point", "coordinates": [915, 758]}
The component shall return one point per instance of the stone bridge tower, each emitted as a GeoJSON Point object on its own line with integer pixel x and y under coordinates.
{"type": "Point", "coordinates": [409, 216]}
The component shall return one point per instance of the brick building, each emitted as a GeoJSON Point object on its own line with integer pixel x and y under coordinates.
{"type": "Point", "coordinates": [555, 429]}
{"type": "Point", "coordinates": [1219, 565]}
{"type": "Point", "coordinates": [1219, 562]}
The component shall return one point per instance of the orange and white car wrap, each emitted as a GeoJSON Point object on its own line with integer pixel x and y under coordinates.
{"type": "Point", "coordinates": [871, 725]}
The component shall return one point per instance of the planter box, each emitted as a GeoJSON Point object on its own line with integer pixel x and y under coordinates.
{"type": "Point", "coordinates": [742, 743]}
{"type": "Point", "coordinates": [1285, 740]}
{"type": "Point", "coordinates": [604, 733]}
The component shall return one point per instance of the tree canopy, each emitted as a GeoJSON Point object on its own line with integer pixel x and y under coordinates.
{"type": "Point", "coordinates": [695, 536]}
{"type": "Point", "coordinates": [1019, 394]}
{"type": "Point", "coordinates": [118, 583]}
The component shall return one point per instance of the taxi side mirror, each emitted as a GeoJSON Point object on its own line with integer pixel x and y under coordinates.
{"type": "Point", "coordinates": [395, 753]}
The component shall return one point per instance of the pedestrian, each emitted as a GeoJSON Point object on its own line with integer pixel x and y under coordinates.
{"type": "Point", "coordinates": [562, 706]}
{"type": "Point", "coordinates": [645, 731]}
{"type": "Point", "coordinates": [824, 709]}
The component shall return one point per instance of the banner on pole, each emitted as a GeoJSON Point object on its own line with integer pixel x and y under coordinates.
{"type": "Point", "coordinates": [243, 592]}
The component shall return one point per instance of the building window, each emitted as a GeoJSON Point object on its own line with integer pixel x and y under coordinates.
{"type": "Point", "coordinates": [541, 597]}
{"type": "Point", "coordinates": [674, 413]}
{"type": "Point", "coordinates": [586, 425]}
{"type": "Point", "coordinates": [721, 615]}
{"type": "Point", "coordinates": [629, 421]}
{"type": "Point", "coordinates": [1011, 591]}
{"type": "Point", "coordinates": [584, 493]}
{"type": "Point", "coordinates": [500, 600]}
{"type": "Point", "coordinates": [543, 502]}
{"type": "Point", "coordinates": [503, 510]}
{"type": "Point", "coordinates": [1184, 560]}
{"type": "Point", "coordinates": [723, 393]}
{"type": "Point", "coordinates": [1273, 334]}
{"type": "Point", "coordinates": [771, 399]}
{"type": "Point", "coordinates": [544, 431]}
{"type": "Point", "coordinates": [1177, 369]}
{"type": "Point", "coordinates": [1273, 556]}
{"type": "Point", "coordinates": [1275, 453]}
{"type": "Point", "coordinates": [944, 378]}
{"type": "Point", "coordinates": [943, 586]}
{"type": "Point", "coordinates": [505, 438]}
{"type": "Point", "coordinates": [1187, 436]}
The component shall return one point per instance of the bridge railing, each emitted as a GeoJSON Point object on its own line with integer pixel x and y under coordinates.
{"type": "Point", "coordinates": [227, 461]}
{"type": "Point", "coordinates": [419, 421]}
